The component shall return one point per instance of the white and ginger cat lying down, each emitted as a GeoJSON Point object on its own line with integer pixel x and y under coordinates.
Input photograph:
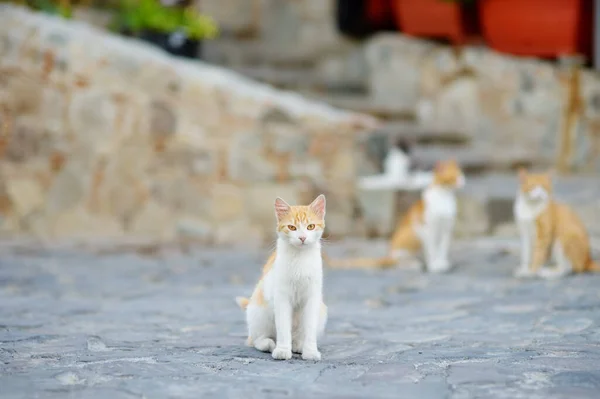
{"type": "Point", "coordinates": [427, 227]}
{"type": "Point", "coordinates": [549, 229]}
{"type": "Point", "coordinates": [286, 312]}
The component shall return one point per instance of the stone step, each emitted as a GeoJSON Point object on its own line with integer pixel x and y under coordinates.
{"type": "Point", "coordinates": [233, 52]}
{"type": "Point", "coordinates": [289, 78]}
{"type": "Point", "coordinates": [361, 103]}
{"type": "Point", "coordinates": [427, 146]}
{"type": "Point", "coordinates": [417, 134]}
{"type": "Point", "coordinates": [477, 158]}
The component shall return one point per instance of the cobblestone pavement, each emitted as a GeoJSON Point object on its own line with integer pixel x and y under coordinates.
{"type": "Point", "coordinates": [74, 324]}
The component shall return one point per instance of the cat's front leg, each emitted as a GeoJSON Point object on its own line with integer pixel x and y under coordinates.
{"type": "Point", "coordinates": [283, 326]}
{"type": "Point", "coordinates": [525, 231]}
{"type": "Point", "coordinates": [426, 236]}
{"type": "Point", "coordinates": [442, 262]}
{"type": "Point", "coordinates": [310, 327]}
{"type": "Point", "coordinates": [431, 239]}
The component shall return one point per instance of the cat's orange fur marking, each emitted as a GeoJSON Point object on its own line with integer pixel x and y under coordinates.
{"type": "Point", "coordinates": [300, 214]}
{"type": "Point", "coordinates": [404, 238]}
{"type": "Point", "coordinates": [558, 222]}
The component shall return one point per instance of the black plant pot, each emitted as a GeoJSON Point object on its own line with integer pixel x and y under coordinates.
{"type": "Point", "coordinates": [176, 43]}
{"type": "Point", "coordinates": [352, 19]}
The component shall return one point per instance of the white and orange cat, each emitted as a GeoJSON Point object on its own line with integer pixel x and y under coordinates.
{"type": "Point", "coordinates": [286, 312]}
{"type": "Point", "coordinates": [549, 230]}
{"type": "Point", "coordinates": [427, 227]}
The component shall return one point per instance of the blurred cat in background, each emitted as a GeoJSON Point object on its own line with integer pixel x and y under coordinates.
{"type": "Point", "coordinates": [426, 228]}
{"type": "Point", "coordinates": [549, 230]}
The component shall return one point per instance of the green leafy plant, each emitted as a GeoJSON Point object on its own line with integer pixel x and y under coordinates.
{"type": "Point", "coordinates": [63, 8]}
{"type": "Point", "coordinates": [139, 15]}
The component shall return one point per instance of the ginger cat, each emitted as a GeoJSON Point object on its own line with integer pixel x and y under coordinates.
{"type": "Point", "coordinates": [427, 226]}
{"type": "Point", "coordinates": [549, 229]}
{"type": "Point", "coordinates": [286, 312]}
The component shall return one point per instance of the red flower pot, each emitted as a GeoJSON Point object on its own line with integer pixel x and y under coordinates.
{"type": "Point", "coordinates": [436, 19]}
{"type": "Point", "coordinates": [543, 28]}
{"type": "Point", "coordinates": [378, 11]}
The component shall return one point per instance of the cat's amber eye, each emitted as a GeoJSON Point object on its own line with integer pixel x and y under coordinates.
{"type": "Point", "coordinates": [292, 227]}
{"type": "Point", "coordinates": [310, 227]}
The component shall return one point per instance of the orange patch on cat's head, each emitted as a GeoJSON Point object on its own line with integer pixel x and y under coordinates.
{"type": "Point", "coordinates": [301, 224]}
{"type": "Point", "coordinates": [449, 174]}
{"type": "Point", "coordinates": [529, 181]}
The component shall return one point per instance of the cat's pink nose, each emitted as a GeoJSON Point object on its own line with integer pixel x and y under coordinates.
{"type": "Point", "coordinates": [302, 239]}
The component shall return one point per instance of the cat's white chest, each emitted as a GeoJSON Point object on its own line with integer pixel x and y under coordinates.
{"type": "Point", "coordinates": [525, 212]}
{"type": "Point", "coordinates": [439, 203]}
{"type": "Point", "coordinates": [296, 277]}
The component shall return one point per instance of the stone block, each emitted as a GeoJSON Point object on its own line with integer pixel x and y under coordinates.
{"type": "Point", "coordinates": [344, 69]}
{"type": "Point", "coordinates": [227, 203]}
{"type": "Point", "coordinates": [190, 226]}
{"type": "Point", "coordinates": [378, 209]}
{"type": "Point", "coordinates": [92, 115]}
{"type": "Point", "coordinates": [241, 233]}
{"type": "Point", "coordinates": [394, 70]}
{"type": "Point", "coordinates": [153, 220]}
{"type": "Point", "coordinates": [68, 188]}
{"type": "Point", "coordinates": [259, 202]}
{"type": "Point", "coordinates": [26, 195]}
{"type": "Point", "coordinates": [233, 16]}
{"type": "Point", "coordinates": [78, 223]}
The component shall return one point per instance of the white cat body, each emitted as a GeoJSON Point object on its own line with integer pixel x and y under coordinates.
{"type": "Point", "coordinates": [527, 208]}
{"type": "Point", "coordinates": [437, 228]}
{"type": "Point", "coordinates": [290, 315]}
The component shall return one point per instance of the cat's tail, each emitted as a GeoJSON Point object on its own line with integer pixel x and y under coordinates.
{"type": "Point", "coordinates": [362, 263]}
{"type": "Point", "coordinates": [242, 302]}
{"type": "Point", "coordinates": [593, 266]}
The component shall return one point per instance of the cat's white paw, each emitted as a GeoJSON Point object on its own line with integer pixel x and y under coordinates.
{"type": "Point", "coordinates": [550, 274]}
{"type": "Point", "coordinates": [297, 346]}
{"type": "Point", "coordinates": [265, 344]}
{"type": "Point", "coordinates": [281, 353]}
{"type": "Point", "coordinates": [523, 272]}
{"type": "Point", "coordinates": [313, 354]}
{"type": "Point", "coordinates": [440, 266]}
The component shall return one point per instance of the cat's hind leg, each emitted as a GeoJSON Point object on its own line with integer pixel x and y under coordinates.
{"type": "Point", "coordinates": [562, 267]}
{"type": "Point", "coordinates": [261, 327]}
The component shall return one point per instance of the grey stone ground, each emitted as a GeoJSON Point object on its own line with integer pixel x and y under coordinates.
{"type": "Point", "coordinates": [125, 325]}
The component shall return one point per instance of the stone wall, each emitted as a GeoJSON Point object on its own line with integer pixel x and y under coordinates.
{"type": "Point", "coordinates": [103, 136]}
{"type": "Point", "coordinates": [502, 101]}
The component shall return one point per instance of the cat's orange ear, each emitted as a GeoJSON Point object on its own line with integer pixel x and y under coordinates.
{"type": "Point", "coordinates": [281, 208]}
{"type": "Point", "coordinates": [318, 206]}
{"type": "Point", "coordinates": [522, 174]}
